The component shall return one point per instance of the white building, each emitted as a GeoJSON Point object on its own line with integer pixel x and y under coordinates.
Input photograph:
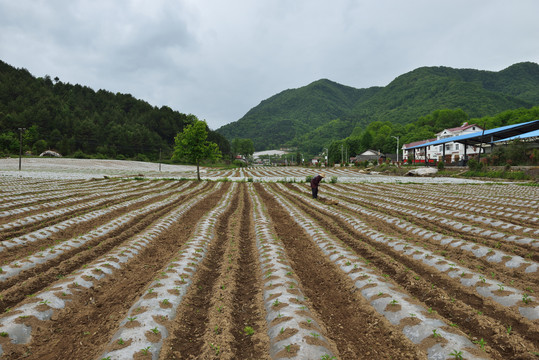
{"type": "Point", "coordinates": [453, 151]}
{"type": "Point", "coordinates": [418, 155]}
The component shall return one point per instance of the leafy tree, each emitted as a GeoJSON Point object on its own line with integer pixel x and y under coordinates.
{"type": "Point", "coordinates": [193, 146]}
{"type": "Point", "coordinates": [243, 147]}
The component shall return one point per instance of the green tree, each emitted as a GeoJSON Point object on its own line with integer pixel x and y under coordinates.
{"type": "Point", "coordinates": [193, 146]}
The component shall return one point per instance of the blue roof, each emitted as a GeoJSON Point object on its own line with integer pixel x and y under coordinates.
{"type": "Point", "coordinates": [530, 134]}
{"type": "Point", "coordinates": [489, 135]}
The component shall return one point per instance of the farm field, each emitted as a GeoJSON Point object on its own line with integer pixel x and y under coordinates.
{"type": "Point", "coordinates": [124, 268]}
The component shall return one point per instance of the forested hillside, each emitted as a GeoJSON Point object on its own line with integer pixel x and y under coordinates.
{"type": "Point", "coordinates": [78, 121]}
{"type": "Point", "coordinates": [313, 116]}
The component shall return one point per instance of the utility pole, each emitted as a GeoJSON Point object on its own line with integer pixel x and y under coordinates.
{"type": "Point", "coordinates": [396, 137]}
{"type": "Point", "coordinates": [20, 146]}
{"type": "Point", "coordinates": [327, 156]}
{"type": "Point", "coordinates": [342, 155]}
{"type": "Point", "coordinates": [159, 159]}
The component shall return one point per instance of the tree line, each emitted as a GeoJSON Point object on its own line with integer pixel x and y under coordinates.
{"type": "Point", "coordinates": [77, 121]}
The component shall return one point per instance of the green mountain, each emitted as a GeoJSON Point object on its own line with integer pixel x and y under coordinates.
{"type": "Point", "coordinates": [312, 116]}
{"type": "Point", "coordinates": [295, 112]}
{"type": "Point", "coordinates": [78, 121]}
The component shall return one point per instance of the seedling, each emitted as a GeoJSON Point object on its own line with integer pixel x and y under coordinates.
{"type": "Point", "coordinates": [526, 298]}
{"type": "Point", "coordinates": [276, 302]}
{"type": "Point", "coordinates": [482, 278]}
{"type": "Point", "coordinates": [121, 341]}
{"type": "Point", "coordinates": [145, 350]}
{"type": "Point", "coordinates": [327, 357]}
{"type": "Point", "coordinates": [481, 344]}
{"type": "Point", "coordinates": [106, 358]}
{"type": "Point", "coordinates": [165, 302]}
{"type": "Point", "coordinates": [155, 330]}
{"type": "Point", "coordinates": [248, 330]}
{"type": "Point", "coordinates": [131, 319]}
{"type": "Point", "coordinates": [509, 328]}
{"type": "Point", "coordinates": [457, 354]}
{"type": "Point", "coordinates": [501, 287]}
{"type": "Point", "coordinates": [215, 348]}
{"type": "Point", "coordinates": [288, 347]}
{"type": "Point", "coordinates": [4, 334]}
{"type": "Point", "coordinates": [393, 302]}
{"type": "Point", "coordinates": [435, 334]}
{"type": "Point", "coordinates": [150, 291]}
{"type": "Point", "coordinates": [44, 302]}
{"type": "Point", "coordinates": [281, 331]}
{"type": "Point", "coordinates": [315, 334]}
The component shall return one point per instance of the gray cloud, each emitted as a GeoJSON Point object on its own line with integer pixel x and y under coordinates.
{"type": "Point", "coordinates": [218, 59]}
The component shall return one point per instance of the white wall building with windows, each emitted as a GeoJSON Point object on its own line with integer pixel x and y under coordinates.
{"type": "Point", "coordinates": [453, 151]}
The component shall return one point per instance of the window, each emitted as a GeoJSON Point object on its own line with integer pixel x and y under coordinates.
{"type": "Point", "coordinates": [456, 146]}
{"type": "Point", "coordinates": [448, 147]}
{"type": "Point", "coordinates": [440, 148]}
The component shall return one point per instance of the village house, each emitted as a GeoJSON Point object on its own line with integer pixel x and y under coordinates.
{"type": "Point", "coordinates": [453, 151]}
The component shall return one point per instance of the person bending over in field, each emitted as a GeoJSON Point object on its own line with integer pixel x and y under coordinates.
{"type": "Point", "coordinates": [314, 184]}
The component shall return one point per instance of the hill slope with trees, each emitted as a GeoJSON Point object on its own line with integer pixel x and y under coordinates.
{"type": "Point", "coordinates": [78, 121]}
{"type": "Point", "coordinates": [313, 116]}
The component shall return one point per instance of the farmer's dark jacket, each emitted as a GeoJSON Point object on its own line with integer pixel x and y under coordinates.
{"type": "Point", "coordinates": [315, 181]}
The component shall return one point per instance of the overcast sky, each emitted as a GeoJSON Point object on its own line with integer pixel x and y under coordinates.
{"type": "Point", "coordinates": [217, 59]}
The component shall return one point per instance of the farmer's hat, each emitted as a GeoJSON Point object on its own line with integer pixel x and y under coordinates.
{"type": "Point", "coordinates": [322, 174]}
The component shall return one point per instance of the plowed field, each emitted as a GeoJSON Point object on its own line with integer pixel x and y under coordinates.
{"type": "Point", "coordinates": [179, 269]}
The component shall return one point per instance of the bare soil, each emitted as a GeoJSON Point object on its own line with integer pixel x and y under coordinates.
{"type": "Point", "coordinates": [222, 315]}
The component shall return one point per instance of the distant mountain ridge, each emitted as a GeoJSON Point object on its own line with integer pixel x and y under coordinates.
{"type": "Point", "coordinates": [311, 116]}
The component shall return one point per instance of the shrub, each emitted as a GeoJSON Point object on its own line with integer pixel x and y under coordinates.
{"type": "Point", "coordinates": [142, 157]}
{"type": "Point", "coordinates": [79, 154]}
{"type": "Point", "coordinates": [475, 165]}
{"type": "Point", "coordinates": [333, 180]}
{"type": "Point", "coordinates": [308, 178]}
{"type": "Point", "coordinates": [238, 163]}
{"type": "Point", "coordinates": [440, 165]}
